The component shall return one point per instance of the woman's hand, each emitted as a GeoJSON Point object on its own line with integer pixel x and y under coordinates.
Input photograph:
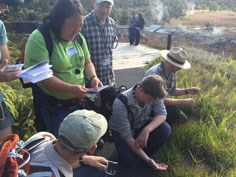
{"type": "Point", "coordinates": [95, 82]}
{"type": "Point", "coordinates": [78, 91]}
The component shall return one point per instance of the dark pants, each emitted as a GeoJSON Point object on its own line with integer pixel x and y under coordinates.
{"type": "Point", "coordinates": [88, 171]}
{"type": "Point", "coordinates": [137, 36]}
{"type": "Point", "coordinates": [132, 35]}
{"type": "Point", "coordinates": [175, 115]}
{"type": "Point", "coordinates": [5, 117]}
{"type": "Point", "coordinates": [127, 158]}
{"type": "Point", "coordinates": [50, 111]}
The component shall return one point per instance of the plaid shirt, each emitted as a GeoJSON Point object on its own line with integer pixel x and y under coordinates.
{"type": "Point", "coordinates": [100, 39]}
{"type": "Point", "coordinates": [169, 79]}
{"type": "Point", "coordinates": [125, 124]}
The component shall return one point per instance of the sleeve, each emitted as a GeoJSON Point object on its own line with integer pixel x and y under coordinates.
{"type": "Point", "coordinates": [3, 34]}
{"type": "Point", "coordinates": [159, 107]}
{"type": "Point", "coordinates": [150, 71]}
{"type": "Point", "coordinates": [35, 50]}
{"type": "Point", "coordinates": [119, 120]}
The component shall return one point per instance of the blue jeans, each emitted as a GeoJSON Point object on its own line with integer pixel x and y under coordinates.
{"type": "Point", "coordinates": [53, 116]}
{"type": "Point", "coordinates": [5, 117]}
{"type": "Point", "coordinates": [128, 158]}
{"type": "Point", "coordinates": [132, 32]}
{"type": "Point", "coordinates": [88, 171]}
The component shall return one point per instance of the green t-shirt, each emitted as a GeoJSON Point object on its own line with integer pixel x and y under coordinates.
{"type": "Point", "coordinates": [66, 59]}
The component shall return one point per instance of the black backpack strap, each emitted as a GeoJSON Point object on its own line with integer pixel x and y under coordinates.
{"type": "Point", "coordinates": [124, 100]}
{"type": "Point", "coordinates": [47, 38]}
{"type": "Point", "coordinates": [79, 39]}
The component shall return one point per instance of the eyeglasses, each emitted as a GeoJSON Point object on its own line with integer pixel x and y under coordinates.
{"type": "Point", "coordinates": [111, 168]}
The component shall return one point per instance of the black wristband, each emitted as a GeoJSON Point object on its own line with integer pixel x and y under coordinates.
{"type": "Point", "coordinates": [185, 91]}
{"type": "Point", "coordinates": [91, 78]}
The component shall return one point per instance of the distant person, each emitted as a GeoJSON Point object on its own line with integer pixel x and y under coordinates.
{"type": "Point", "coordinates": [71, 65]}
{"type": "Point", "coordinates": [132, 28]}
{"type": "Point", "coordinates": [138, 133]}
{"type": "Point", "coordinates": [175, 59]}
{"type": "Point", "coordinates": [139, 27]}
{"type": "Point", "coordinates": [5, 118]}
{"type": "Point", "coordinates": [99, 31]}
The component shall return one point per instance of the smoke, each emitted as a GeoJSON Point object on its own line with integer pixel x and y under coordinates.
{"type": "Point", "coordinates": [190, 8]}
{"type": "Point", "coordinates": [159, 11]}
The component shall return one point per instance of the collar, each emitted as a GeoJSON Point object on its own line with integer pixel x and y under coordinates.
{"type": "Point", "coordinates": [57, 160]}
{"type": "Point", "coordinates": [95, 20]}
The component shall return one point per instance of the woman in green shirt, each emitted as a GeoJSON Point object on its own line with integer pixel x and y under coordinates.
{"type": "Point", "coordinates": [65, 91]}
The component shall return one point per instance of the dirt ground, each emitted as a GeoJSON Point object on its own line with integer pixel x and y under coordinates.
{"type": "Point", "coordinates": [200, 17]}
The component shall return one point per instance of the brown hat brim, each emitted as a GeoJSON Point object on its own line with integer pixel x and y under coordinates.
{"type": "Point", "coordinates": [186, 65]}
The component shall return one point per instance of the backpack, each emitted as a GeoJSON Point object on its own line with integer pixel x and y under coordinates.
{"type": "Point", "coordinates": [15, 157]}
{"type": "Point", "coordinates": [103, 103]}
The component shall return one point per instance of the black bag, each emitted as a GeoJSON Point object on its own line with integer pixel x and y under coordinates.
{"type": "Point", "coordinates": [105, 98]}
{"type": "Point", "coordinates": [104, 101]}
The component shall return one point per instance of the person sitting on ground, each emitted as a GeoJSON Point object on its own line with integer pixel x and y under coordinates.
{"type": "Point", "coordinates": [139, 132]}
{"type": "Point", "coordinates": [78, 135]}
{"type": "Point", "coordinates": [175, 59]}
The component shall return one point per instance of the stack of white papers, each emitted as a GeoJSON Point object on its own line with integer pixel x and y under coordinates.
{"type": "Point", "coordinates": [36, 73]}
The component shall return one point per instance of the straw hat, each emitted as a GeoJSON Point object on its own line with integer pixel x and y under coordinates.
{"type": "Point", "coordinates": [176, 56]}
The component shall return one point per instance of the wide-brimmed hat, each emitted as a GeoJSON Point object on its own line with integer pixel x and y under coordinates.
{"type": "Point", "coordinates": [110, 1]}
{"type": "Point", "coordinates": [83, 129]}
{"type": "Point", "coordinates": [176, 56]}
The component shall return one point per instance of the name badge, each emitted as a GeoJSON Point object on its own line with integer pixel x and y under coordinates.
{"type": "Point", "coordinates": [107, 62]}
{"type": "Point", "coordinates": [71, 51]}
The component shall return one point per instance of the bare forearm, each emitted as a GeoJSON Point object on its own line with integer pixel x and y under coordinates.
{"type": "Point", "coordinates": [173, 102]}
{"type": "Point", "coordinates": [56, 84]}
{"type": "Point", "coordinates": [89, 70]}
{"type": "Point", "coordinates": [5, 52]}
{"type": "Point", "coordinates": [138, 151]}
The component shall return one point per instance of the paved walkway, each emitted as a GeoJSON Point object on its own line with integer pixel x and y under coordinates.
{"type": "Point", "coordinates": [128, 66]}
{"type": "Point", "coordinates": [129, 61]}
